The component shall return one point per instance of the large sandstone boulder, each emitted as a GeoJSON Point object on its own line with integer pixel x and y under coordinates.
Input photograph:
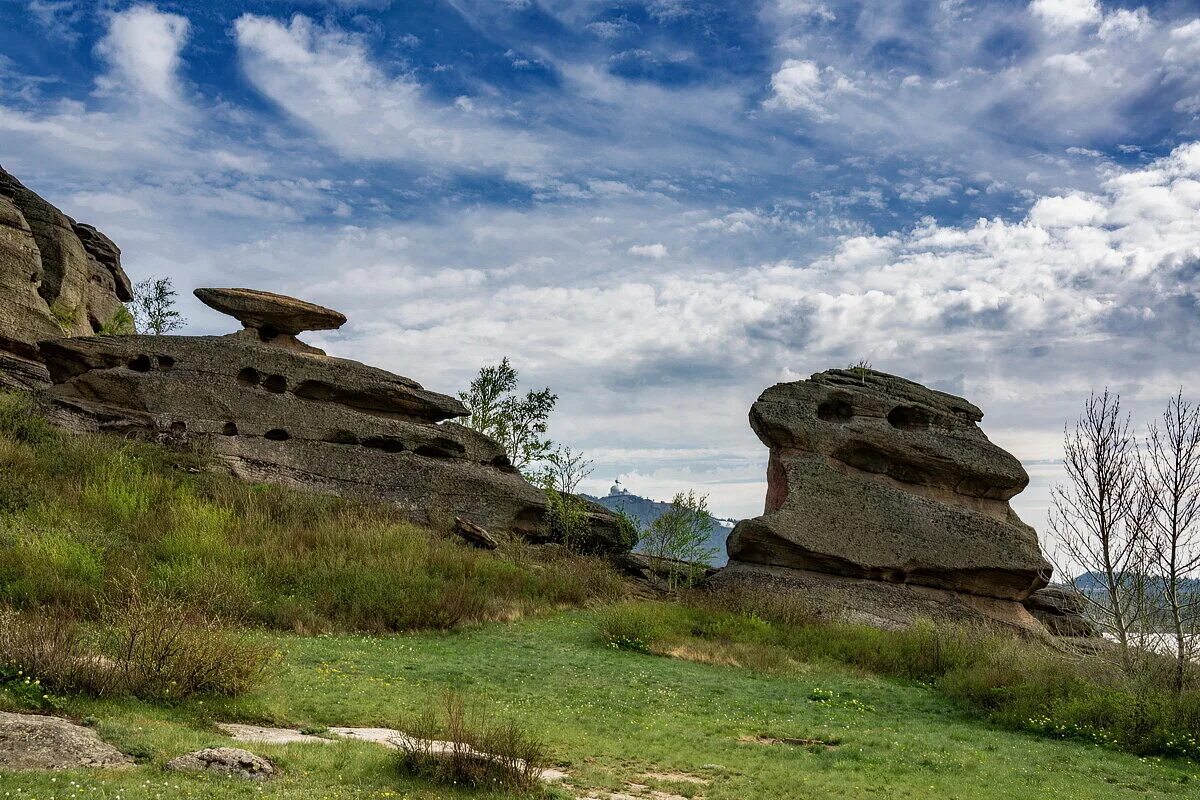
{"type": "Point", "coordinates": [57, 277]}
{"type": "Point", "coordinates": [279, 411]}
{"type": "Point", "coordinates": [30, 742]}
{"type": "Point", "coordinates": [1062, 610]}
{"type": "Point", "coordinates": [877, 478]}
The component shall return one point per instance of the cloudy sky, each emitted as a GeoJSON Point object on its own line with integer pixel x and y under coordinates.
{"type": "Point", "coordinates": [656, 207]}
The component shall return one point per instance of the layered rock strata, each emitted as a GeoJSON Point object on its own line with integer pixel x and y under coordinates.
{"type": "Point", "coordinates": [57, 278]}
{"type": "Point", "coordinates": [894, 489]}
{"type": "Point", "coordinates": [278, 410]}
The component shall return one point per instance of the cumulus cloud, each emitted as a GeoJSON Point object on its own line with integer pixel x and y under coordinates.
{"type": "Point", "coordinates": [1065, 15]}
{"type": "Point", "coordinates": [655, 251]}
{"type": "Point", "coordinates": [800, 85]}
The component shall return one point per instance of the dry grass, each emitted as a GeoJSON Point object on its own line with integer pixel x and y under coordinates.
{"type": "Point", "coordinates": [461, 745]}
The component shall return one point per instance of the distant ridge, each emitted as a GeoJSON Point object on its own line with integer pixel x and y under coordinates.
{"type": "Point", "coordinates": [644, 511]}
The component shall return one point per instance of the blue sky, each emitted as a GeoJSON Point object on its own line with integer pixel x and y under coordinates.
{"type": "Point", "coordinates": [660, 207]}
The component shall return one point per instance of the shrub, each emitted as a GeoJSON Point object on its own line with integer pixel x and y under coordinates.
{"type": "Point", "coordinates": [20, 422]}
{"type": "Point", "coordinates": [147, 648]}
{"type": "Point", "coordinates": [465, 746]}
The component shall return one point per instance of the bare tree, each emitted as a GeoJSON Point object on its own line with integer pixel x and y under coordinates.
{"type": "Point", "coordinates": [1171, 481]}
{"type": "Point", "coordinates": [1099, 518]}
{"type": "Point", "coordinates": [564, 470]}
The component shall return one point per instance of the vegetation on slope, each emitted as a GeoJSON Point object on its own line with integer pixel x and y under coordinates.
{"type": "Point", "coordinates": [84, 517]}
{"type": "Point", "coordinates": [1020, 683]}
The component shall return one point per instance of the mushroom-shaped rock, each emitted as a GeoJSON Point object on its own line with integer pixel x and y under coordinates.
{"type": "Point", "coordinates": [877, 477]}
{"type": "Point", "coordinates": [270, 313]}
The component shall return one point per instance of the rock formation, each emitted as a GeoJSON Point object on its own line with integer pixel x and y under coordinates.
{"type": "Point", "coordinates": [232, 762]}
{"type": "Point", "coordinates": [278, 410]}
{"type": "Point", "coordinates": [57, 278]}
{"type": "Point", "coordinates": [32, 742]}
{"type": "Point", "coordinates": [1061, 610]}
{"type": "Point", "coordinates": [886, 500]}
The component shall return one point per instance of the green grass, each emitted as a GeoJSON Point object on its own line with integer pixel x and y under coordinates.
{"type": "Point", "coordinates": [610, 716]}
{"type": "Point", "coordinates": [81, 517]}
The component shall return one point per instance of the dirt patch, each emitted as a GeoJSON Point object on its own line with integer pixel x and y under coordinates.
{"type": "Point", "coordinates": [678, 777]}
{"type": "Point", "coordinates": [385, 737]}
{"type": "Point", "coordinates": [812, 744]}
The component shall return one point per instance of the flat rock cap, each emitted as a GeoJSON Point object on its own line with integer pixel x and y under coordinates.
{"type": "Point", "coordinates": [272, 312]}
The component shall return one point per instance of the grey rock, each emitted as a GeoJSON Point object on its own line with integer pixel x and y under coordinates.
{"type": "Point", "coordinates": [1061, 610]}
{"type": "Point", "coordinates": [280, 415]}
{"type": "Point", "coordinates": [57, 278]}
{"type": "Point", "coordinates": [269, 312]}
{"type": "Point", "coordinates": [30, 742]}
{"type": "Point", "coordinates": [880, 604]}
{"type": "Point", "coordinates": [474, 535]}
{"type": "Point", "coordinates": [232, 762]}
{"type": "Point", "coordinates": [876, 477]}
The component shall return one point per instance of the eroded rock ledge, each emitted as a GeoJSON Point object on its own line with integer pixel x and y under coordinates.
{"type": "Point", "coordinates": [280, 411]}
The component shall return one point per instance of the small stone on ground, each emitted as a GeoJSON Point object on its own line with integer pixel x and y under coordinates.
{"type": "Point", "coordinates": [231, 761]}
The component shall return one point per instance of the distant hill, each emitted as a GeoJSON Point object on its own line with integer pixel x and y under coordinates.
{"type": "Point", "coordinates": [644, 511]}
{"type": "Point", "coordinates": [1095, 582]}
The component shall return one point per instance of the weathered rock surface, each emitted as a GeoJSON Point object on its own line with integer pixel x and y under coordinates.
{"type": "Point", "coordinates": [57, 277]}
{"type": "Point", "coordinates": [271, 314]}
{"type": "Point", "coordinates": [1061, 610]}
{"type": "Point", "coordinates": [874, 476]}
{"type": "Point", "coordinates": [29, 742]}
{"type": "Point", "coordinates": [878, 479]}
{"type": "Point", "coordinates": [231, 761]}
{"type": "Point", "coordinates": [880, 604]}
{"type": "Point", "coordinates": [280, 414]}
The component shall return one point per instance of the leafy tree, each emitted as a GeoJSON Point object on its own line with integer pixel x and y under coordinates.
{"type": "Point", "coordinates": [680, 534]}
{"type": "Point", "coordinates": [153, 307]}
{"type": "Point", "coordinates": [519, 423]}
{"type": "Point", "coordinates": [563, 469]}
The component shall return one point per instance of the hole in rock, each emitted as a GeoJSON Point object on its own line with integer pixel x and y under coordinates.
{"type": "Point", "coordinates": [386, 443]}
{"type": "Point", "coordinates": [178, 426]}
{"type": "Point", "coordinates": [342, 437]}
{"type": "Point", "coordinates": [907, 418]}
{"type": "Point", "coordinates": [835, 411]}
{"type": "Point", "coordinates": [277, 435]}
{"type": "Point", "coordinates": [441, 448]}
{"type": "Point", "coordinates": [249, 377]}
{"type": "Point", "coordinates": [266, 333]}
{"type": "Point", "coordinates": [140, 364]}
{"type": "Point", "coordinates": [502, 461]}
{"type": "Point", "coordinates": [276, 384]}
{"type": "Point", "coordinates": [165, 362]}
{"type": "Point", "coordinates": [230, 429]}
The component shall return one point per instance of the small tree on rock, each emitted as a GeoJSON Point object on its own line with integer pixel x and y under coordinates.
{"type": "Point", "coordinates": [519, 423]}
{"type": "Point", "coordinates": [153, 307]}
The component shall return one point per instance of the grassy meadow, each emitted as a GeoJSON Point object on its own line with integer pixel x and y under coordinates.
{"type": "Point", "coordinates": [307, 612]}
{"type": "Point", "coordinates": [610, 716]}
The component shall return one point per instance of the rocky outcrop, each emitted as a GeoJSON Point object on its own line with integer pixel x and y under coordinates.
{"type": "Point", "coordinates": [1062, 611]}
{"type": "Point", "coordinates": [277, 410]}
{"type": "Point", "coordinates": [30, 742]}
{"type": "Point", "coordinates": [231, 762]}
{"type": "Point", "coordinates": [878, 479]}
{"type": "Point", "coordinates": [57, 277]}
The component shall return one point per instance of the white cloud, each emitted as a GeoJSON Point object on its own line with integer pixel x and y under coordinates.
{"type": "Point", "coordinates": [655, 251]}
{"type": "Point", "coordinates": [324, 78]}
{"type": "Point", "coordinates": [1060, 212]}
{"type": "Point", "coordinates": [1066, 15]}
{"type": "Point", "coordinates": [800, 85]}
{"type": "Point", "coordinates": [143, 48]}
